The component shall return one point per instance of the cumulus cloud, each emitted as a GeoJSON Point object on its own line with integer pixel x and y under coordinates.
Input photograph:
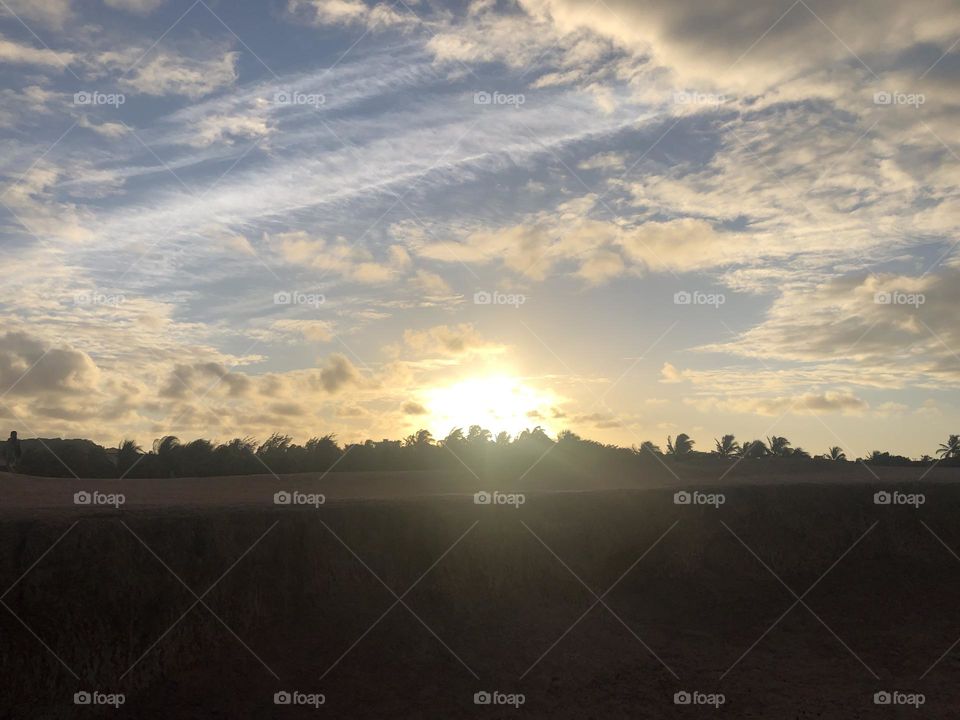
{"type": "Point", "coordinates": [338, 373]}
{"type": "Point", "coordinates": [30, 367]}
{"type": "Point", "coordinates": [201, 379]}
{"type": "Point", "coordinates": [755, 45]}
{"type": "Point", "coordinates": [817, 403]}
{"type": "Point", "coordinates": [890, 324]}
{"type": "Point", "coordinates": [349, 260]}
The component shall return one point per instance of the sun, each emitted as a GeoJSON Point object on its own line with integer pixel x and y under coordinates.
{"type": "Point", "coordinates": [498, 403]}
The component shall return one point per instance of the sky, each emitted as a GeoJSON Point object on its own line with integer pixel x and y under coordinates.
{"type": "Point", "coordinates": [625, 218]}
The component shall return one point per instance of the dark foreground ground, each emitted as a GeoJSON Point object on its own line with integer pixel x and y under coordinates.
{"type": "Point", "coordinates": [792, 601]}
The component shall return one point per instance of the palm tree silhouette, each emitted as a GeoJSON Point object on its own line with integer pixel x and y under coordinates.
{"type": "Point", "coordinates": [420, 438]}
{"type": "Point", "coordinates": [128, 455]}
{"type": "Point", "coordinates": [778, 446]}
{"type": "Point", "coordinates": [727, 446]}
{"type": "Point", "coordinates": [951, 448]}
{"type": "Point", "coordinates": [647, 446]}
{"type": "Point", "coordinates": [167, 451]}
{"type": "Point", "coordinates": [477, 435]}
{"type": "Point", "coordinates": [836, 454]}
{"type": "Point", "coordinates": [752, 449]}
{"type": "Point", "coordinates": [454, 437]}
{"type": "Point", "coordinates": [682, 446]}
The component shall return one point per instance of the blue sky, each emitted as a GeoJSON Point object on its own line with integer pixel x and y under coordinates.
{"type": "Point", "coordinates": [224, 219]}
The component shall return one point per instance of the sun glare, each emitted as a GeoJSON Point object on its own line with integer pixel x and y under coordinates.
{"type": "Point", "coordinates": [497, 403]}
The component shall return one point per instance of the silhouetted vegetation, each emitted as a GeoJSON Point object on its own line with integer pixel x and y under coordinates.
{"type": "Point", "coordinates": [474, 450]}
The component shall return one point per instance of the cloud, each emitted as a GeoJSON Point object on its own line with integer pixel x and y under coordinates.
{"type": "Point", "coordinates": [895, 328]}
{"type": "Point", "coordinates": [140, 7]}
{"type": "Point", "coordinates": [197, 380]}
{"type": "Point", "coordinates": [816, 403]}
{"type": "Point", "coordinates": [448, 340]}
{"type": "Point", "coordinates": [107, 129]}
{"type": "Point", "coordinates": [313, 330]}
{"type": "Point", "coordinates": [351, 261]}
{"type": "Point", "coordinates": [30, 367]}
{"type": "Point", "coordinates": [338, 373]}
{"type": "Point", "coordinates": [670, 374]}
{"type": "Point", "coordinates": [431, 283]}
{"type": "Point", "coordinates": [17, 54]}
{"type": "Point", "coordinates": [228, 128]}
{"type": "Point", "coordinates": [413, 408]}
{"type": "Point", "coordinates": [601, 266]}
{"type": "Point", "coordinates": [53, 13]}
{"type": "Point", "coordinates": [600, 249]}
{"type": "Point", "coordinates": [604, 161]}
{"type": "Point", "coordinates": [753, 46]}
{"type": "Point", "coordinates": [350, 12]}
{"type": "Point", "coordinates": [175, 74]}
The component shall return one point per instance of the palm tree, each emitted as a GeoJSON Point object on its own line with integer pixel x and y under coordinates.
{"type": "Point", "coordinates": [800, 453]}
{"type": "Point", "coordinates": [502, 439]}
{"type": "Point", "coordinates": [836, 454]}
{"type": "Point", "coordinates": [419, 439]}
{"type": "Point", "coordinates": [682, 446]}
{"type": "Point", "coordinates": [647, 446]}
{"type": "Point", "coordinates": [128, 455]}
{"type": "Point", "coordinates": [778, 446]}
{"type": "Point", "coordinates": [726, 447]}
{"type": "Point", "coordinates": [951, 448]}
{"type": "Point", "coordinates": [477, 435]}
{"type": "Point", "coordinates": [454, 437]}
{"type": "Point", "coordinates": [752, 449]}
{"type": "Point", "coordinates": [167, 450]}
{"type": "Point", "coordinates": [536, 436]}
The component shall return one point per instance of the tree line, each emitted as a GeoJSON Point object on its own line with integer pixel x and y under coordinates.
{"type": "Point", "coordinates": [475, 450]}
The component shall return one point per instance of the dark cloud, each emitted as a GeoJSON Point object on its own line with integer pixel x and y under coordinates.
{"type": "Point", "coordinates": [413, 408]}
{"type": "Point", "coordinates": [338, 373]}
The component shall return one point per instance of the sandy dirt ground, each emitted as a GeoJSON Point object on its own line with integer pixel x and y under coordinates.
{"type": "Point", "coordinates": [695, 599]}
{"type": "Point", "coordinates": [20, 494]}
